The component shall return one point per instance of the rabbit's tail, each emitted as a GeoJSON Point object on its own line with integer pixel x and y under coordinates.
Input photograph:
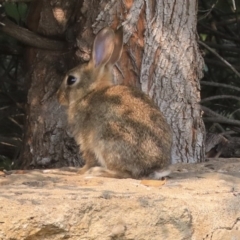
{"type": "Point", "coordinates": [157, 175]}
{"type": "Point", "coordinates": [104, 172]}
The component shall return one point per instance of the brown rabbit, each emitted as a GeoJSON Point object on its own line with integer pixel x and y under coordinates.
{"type": "Point", "coordinates": [119, 129]}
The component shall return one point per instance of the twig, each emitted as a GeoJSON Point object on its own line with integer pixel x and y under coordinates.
{"type": "Point", "coordinates": [234, 5]}
{"type": "Point", "coordinates": [222, 120]}
{"type": "Point", "coordinates": [12, 141]}
{"type": "Point", "coordinates": [15, 1]}
{"type": "Point", "coordinates": [215, 32]}
{"type": "Point", "coordinates": [219, 97]}
{"type": "Point", "coordinates": [222, 59]}
{"type": "Point", "coordinates": [237, 110]}
{"type": "Point", "coordinates": [29, 38]}
{"type": "Point", "coordinates": [208, 11]}
{"type": "Point", "coordinates": [223, 47]}
{"type": "Point", "coordinates": [228, 21]}
{"type": "Point", "coordinates": [219, 63]}
{"type": "Point", "coordinates": [210, 112]}
{"type": "Point", "coordinates": [217, 118]}
{"type": "Point", "coordinates": [220, 85]}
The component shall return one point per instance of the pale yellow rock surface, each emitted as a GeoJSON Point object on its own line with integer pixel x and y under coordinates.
{"type": "Point", "coordinates": [198, 201]}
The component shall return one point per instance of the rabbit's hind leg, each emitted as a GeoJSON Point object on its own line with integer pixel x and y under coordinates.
{"type": "Point", "coordinates": [104, 172]}
{"type": "Point", "coordinates": [90, 161]}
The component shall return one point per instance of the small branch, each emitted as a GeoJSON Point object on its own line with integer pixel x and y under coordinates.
{"type": "Point", "coordinates": [15, 1]}
{"type": "Point", "coordinates": [217, 118]}
{"type": "Point", "coordinates": [237, 110]}
{"type": "Point", "coordinates": [222, 120]}
{"type": "Point", "coordinates": [219, 85]}
{"type": "Point", "coordinates": [228, 133]}
{"type": "Point", "coordinates": [218, 56]}
{"type": "Point", "coordinates": [223, 47]}
{"type": "Point", "coordinates": [11, 141]}
{"type": "Point", "coordinates": [220, 97]}
{"type": "Point", "coordinates": [210, 112]}
{"type": "Point", "coordinates": [208, 11]}
{"type": "Point", "coordinates": [218, 63]}
{"type": "Point", "coordinates": [228, 21]}
{"type": "Point", "coordinates": [217, 33]}
{"type": "Point", "coordinates": [29, 38]}
{"type": "Point", "coordinates": [234, 5]}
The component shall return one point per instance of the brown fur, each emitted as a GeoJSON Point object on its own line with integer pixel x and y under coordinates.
{"type": "Point", "coordinates": [119, 128]}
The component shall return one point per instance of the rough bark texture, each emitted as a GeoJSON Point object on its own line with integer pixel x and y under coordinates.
{"type": "Point", "coordinates": [160, 56]}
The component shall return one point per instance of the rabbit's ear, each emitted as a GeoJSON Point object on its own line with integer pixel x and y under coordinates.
{"type": "Point", "coordinates": [118, 46]}
{"type": "Point", "coordinates": [103, 47]}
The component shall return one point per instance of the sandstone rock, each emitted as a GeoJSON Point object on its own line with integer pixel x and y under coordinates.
{"type": "Point", "coordinates": [198, 201]}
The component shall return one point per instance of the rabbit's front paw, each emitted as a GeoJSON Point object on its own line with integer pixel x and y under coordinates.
{"type": "Point", "coordinates": [96, 171]}
{"type": "Point", "coordinates": [83, 170]}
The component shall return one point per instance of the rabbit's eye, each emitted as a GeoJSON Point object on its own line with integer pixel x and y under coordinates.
{"type": "Point", "coordinates": [71, 80]}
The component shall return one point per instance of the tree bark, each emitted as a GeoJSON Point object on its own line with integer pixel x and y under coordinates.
{"type": "Point", "coordinates": [160, 56]}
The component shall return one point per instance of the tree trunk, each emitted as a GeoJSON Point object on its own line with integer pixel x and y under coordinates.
{"type": "Point", "coordinates": [160, 56]}
{"type": "Point", "coordinates": [47, 142]}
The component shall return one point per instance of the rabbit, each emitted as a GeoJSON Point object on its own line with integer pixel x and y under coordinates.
{"type": "Point", "coordinates": [121, 132]}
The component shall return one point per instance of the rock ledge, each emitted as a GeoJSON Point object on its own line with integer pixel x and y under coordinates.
{"type": "Point", "coordinates": [198, 201]}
